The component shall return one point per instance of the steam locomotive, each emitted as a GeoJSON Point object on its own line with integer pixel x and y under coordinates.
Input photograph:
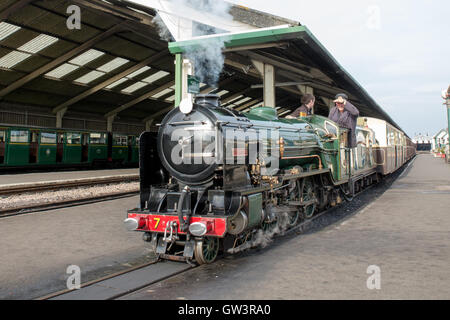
{"type": "Point", "coordinates": [213, 177]}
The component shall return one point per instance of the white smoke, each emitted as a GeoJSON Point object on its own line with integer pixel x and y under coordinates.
{"type": "Point", "coordinates": [263, 238]}
{"type": "Point", "coordinates": [208, 59]}
{"type": "Point", "coordinates": [163, 32]}
{"type": "Point", "coordinates": [217, 7]}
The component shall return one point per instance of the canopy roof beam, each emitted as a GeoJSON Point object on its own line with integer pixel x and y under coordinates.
{"type": "Point", "coordinates": [116, 10]}
{"type": "Point", "coordinates": [282, 84]}
{"type": "Point", "coordinates": [328, 88]}
{"type": "Point", "coordinates": [248, 105]}
{"type": "Point", "coordinates": [157, 114]}
{"type": "Point", "coordinates": [13, 8]}
{"type": "Point", "coordinates": [61, 59]}
{"type": "Point", "coordinates": [235, 96]}
{"type": "Point", "coordinates": [140, 99]}
{"type": "Point", "coordinates": [109, 81]}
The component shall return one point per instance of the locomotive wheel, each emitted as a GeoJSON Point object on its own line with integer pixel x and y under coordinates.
{"type": "Point", "coordinates": [294, 194]}
{"type": "Point", "coordinates": [269, 226]}
{"type": "Point", "coordinates": [206, 250]}
{"type": "Point", "coordinates": [307, 195]}
{"type": "Point", "coordinates": [293, 218]}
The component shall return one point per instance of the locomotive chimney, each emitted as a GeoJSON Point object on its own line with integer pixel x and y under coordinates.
{"type": "Point", "coordinates": [208, 100]}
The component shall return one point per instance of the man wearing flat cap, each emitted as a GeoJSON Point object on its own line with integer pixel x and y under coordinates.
{"type": "Point", "coordinates": [345, 115]}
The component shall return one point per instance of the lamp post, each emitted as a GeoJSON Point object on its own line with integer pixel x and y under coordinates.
{"type": "Point", "coordinates": [446, 97]}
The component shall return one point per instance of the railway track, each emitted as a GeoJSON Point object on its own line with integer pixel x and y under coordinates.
{"type": "Point", "coordinates": [9, 189]}
{"type": "Point", "coordinates": [122, 283]}
{"type": "Point", "coordinates": [39, 187]}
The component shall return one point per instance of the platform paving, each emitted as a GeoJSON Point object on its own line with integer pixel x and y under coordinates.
{"type": "Point", "coordinates": [405, 233]}
{"type": "Point", "coordinates": [38, 248]}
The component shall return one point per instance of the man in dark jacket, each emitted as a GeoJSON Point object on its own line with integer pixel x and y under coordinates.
{"type": "Point", "coordinates": [345, 115]}
{"type": "Point", "coordinates": [305, 109]}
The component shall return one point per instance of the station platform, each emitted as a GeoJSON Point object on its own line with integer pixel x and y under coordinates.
{"type": "Point", "coordinates": [39, 247]}
{"type": "Point", "coordinates": [34, 177]}
{"type": "Point", "coordinates": [405, 232]}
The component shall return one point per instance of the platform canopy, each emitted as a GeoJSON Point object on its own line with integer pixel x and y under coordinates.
{"type": "Point", "coordinates": [117, 68]}
{"type": "Point", "coordinates": [301, 64]}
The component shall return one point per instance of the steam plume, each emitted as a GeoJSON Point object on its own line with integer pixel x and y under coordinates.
{"type": "Point", "coordinates": [208, 58]}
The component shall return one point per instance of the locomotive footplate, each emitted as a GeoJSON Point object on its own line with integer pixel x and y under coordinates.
{"type": "Point", "coordinates": [168, 224]}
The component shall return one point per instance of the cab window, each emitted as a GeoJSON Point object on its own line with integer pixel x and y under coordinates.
{"type": "Point", "coordinates": [2, 136]}
{"type": "Point", "coordinates": [48, 137]}
{"type": "Point", "coordinates": [331, 128]}
{"type": "Point", "coordinates": [73, 138]}
{"type": "Point", "coordinates": [322, 133]}
{"type": "Point", "coordinates": [19, 136]}
{"type": "Point", "coordinates": [97, 138]}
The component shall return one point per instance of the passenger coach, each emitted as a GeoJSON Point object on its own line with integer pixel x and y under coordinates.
{"type": "Point", "coordinates": [40, 147]}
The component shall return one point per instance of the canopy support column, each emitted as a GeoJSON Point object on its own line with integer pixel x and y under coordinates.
{"type": "Point", "coordinates": [305, 90]}
{"type": "Point", "coordinates": [267, 72]}
{"type": "Point", "coordinates": [148, 124]}
{"type": "Point", "coordinates": [59, 117]}
{"type": "Point", "coordinates": [109, 122]}
{"type": "Point", "coordinates": [328, 102]}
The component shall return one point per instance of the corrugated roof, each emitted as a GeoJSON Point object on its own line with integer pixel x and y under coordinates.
{"type": "Point", "coordinates": [39, 43]}
{"type": "Point", "coordinates": [155, 77]}
{"type": "Point", "coordinates": [134, 87]}
{"type": "Point", "coordinates": [89, 77]}
{"type": "Point", "coordinates": [11, 59]}
{"type": "Point", "coordinates": [162, 93]}
{"type": "Point", "coordinates": [62, 70]}
{"type": "Point", "coordinates": [113, 64]}
{"type": "Point", "coordinates": [87, 57]}
{"type": "Point", "coordinates": [7, 29]}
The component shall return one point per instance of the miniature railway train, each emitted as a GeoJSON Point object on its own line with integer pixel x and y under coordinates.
{"type": "Point", "coordinates": [193, 208]}
{"type": "Point", "coordinates": [25, 147]}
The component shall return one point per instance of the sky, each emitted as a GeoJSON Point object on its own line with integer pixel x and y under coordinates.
{"type": "Point", "coordinates": [398, 50]}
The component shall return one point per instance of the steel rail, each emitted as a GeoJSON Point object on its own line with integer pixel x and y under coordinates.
{"type": "Point", "coordinates": [64, 184]}
{"type": "Point", "coordinates": [89, 283]}
{"type": "Point", "coordinates": [15, 211]}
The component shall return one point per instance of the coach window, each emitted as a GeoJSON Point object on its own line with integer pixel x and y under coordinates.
{"type": "Point", "coordinates": [19, 136]}
{"type": "Point", "coordinates": [98, 138]}
{"type": "Point", "coordinates": [2, 136]}
{"type": "Point", "coordinates": [73, 138]}
{"type": "Point", "coordinates": [120, 140]}
{"type": "Point", "coordinates": [390, 137]}
{"type": "Point", "coordinates": [48, 137]}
